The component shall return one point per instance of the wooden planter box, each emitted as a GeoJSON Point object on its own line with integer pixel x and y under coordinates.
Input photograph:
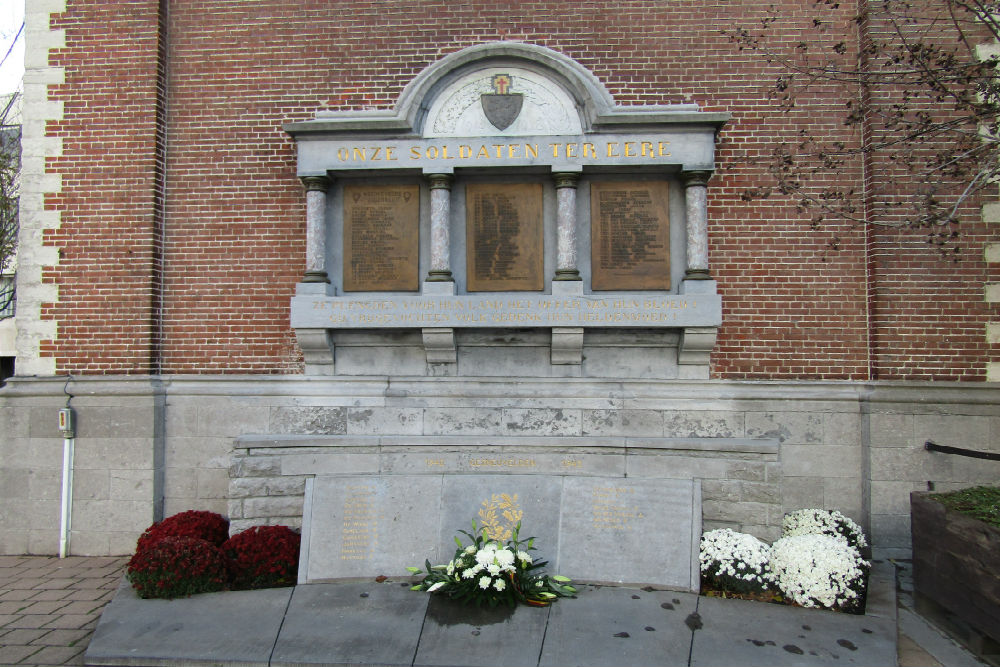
{"type": "Point", "coordinates": [956, 571]}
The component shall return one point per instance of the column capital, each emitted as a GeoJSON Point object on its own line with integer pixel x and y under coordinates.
{"type": "Point", "coordinates": [694, 178]}
{"type": "Point", "coordinates": [315, 183]}
{"type": "Point", "coordinates": [439, 181]}
{"type": "Point", "coordinates": [566, 179]}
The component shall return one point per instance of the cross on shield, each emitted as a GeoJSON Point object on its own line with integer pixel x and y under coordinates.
{"type": "Point", "coordinates": [501, 107]}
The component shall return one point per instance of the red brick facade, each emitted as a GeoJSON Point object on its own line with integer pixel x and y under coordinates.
{"type": "Point", "coordinates": [183, 237]}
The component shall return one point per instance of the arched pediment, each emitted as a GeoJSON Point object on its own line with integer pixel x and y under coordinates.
{"type": "Point", "coordinates": [558, 96]}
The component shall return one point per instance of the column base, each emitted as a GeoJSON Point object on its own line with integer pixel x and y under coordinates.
{"type": "Point", "coordinates": [315, 277]}
{"type": "Point", "coordinates": [439, 277]}
{"type": "Point", "coordinates": [567, 274]}
{"type": "Point", "coordinates": [697, 274]}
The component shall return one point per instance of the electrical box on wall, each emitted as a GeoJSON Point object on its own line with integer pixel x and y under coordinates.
{"type": "Point", "coordinates": [67, 423]}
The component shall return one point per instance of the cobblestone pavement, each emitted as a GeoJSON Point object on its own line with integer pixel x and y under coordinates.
{"type": "Point", "coordinates": [49, 608]}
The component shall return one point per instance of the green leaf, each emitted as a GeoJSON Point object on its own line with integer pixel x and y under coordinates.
{"type": "Point", "coordinates": [459, 542]}
{"type": "Point", "coordinates": [418, 587]}
{"type": "Point", "coordinates": [560, 578]}
{"type": "Point", "coordinates": [413, 570]}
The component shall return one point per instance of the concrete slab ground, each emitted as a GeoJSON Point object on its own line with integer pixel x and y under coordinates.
{"type": "Point", "coordinates": [57, 604]}
{"type": "Point", "coordinates": [385, 623]}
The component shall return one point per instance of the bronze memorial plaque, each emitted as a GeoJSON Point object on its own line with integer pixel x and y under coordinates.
{"type": "Point", "coordinates": [381, 238]}
{"type": "Point", "coordinates": [629, 235]}
{"type": "Point", "coordinates": [504, 237]}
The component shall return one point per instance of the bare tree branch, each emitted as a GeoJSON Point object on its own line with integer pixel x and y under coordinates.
{"type": "Point", "coordinates": [915, 85]}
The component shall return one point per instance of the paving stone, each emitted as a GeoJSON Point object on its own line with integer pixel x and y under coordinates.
{"type": "Point", "coordinates": [95, 594]}
{"type": "Point", "coordinates": [69, 621]}
{"type": "Point", "coordinates": [13, 606]}
{"type": "Point", "coordinates": [27, 621]}
{"type": "Point", "coordinates": [10, 655]}
{"type": "Point", "coordinates": [23, 636]}
{"type": "Point", "coordinates": [62, 637]}
{"type": "Point", "coordinates": [56, 655]}
{"type": "Point", "coordinates": [45, 606]}
{"type": "Point", "coordinates": [18, 594]}
{"type": "Point", "coordinates": [51, 594]}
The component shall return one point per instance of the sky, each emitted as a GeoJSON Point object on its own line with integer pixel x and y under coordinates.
{"type": "Point", "coordinates": [11, 69]}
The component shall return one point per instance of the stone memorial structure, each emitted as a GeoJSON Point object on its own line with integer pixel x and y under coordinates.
{"type": "Point", "coordinates": [476, 251]}
{"type": "Point", "coordinates": [500, 141]}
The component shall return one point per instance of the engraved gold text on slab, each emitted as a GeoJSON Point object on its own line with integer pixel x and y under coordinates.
{"type": "Point", "coordinates": [359, 529]}
{"type": "Point", "coordinates": [614, 508]}
{"type": "Point", "coordinates": [630, 235]}
{"type": "Point", "coordinates": [504, 237]}
{"type": "Point", "coordinates": [381, 244]}
{"type": "Point", "coordinates": [638, 149]}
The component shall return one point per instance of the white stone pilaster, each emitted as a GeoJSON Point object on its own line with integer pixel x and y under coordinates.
{"type": "Point", "coordinates": [696, 208]}
{"type": "Point", "coordinates": [440, 186]}
{"type": "Point", "coordinates": [316, 188]}
{"type": "Point", "coordinates": [36, 184]}
{"type": "Point", "coordinates": [566, 233]}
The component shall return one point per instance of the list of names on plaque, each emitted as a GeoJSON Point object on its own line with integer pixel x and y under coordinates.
{"type": "Point", "coordinates": [614, 508]}
{"type": "Point", "coordinates": [359, 532]}
{"type": "Point", "coordinates": [630, 235]}
{"type": "Point", "coordinates": [381, 238]}
{"type": "Point", "coordinates": [504, 237]}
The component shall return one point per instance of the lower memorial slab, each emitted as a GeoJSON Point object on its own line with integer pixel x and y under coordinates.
{"type": "Point", "coordinates": [608, 627]}
{"type": "Point", "coordinates": [133, 631]}
{"type": "Point", "coordinates": [350, 624]}
{"type": "Point", "coordinates": [459, 634]}
{"type": "Point", "coordinates": [596, 529]}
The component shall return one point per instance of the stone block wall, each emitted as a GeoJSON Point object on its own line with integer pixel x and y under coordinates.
{"type": "Point", "coordinates": [244, 446]}
{"type": "Point", "coordinates": [118, 464]}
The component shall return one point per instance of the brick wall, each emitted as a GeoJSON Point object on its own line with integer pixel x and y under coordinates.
{"type": "Point", "coordinates": [214, 197]}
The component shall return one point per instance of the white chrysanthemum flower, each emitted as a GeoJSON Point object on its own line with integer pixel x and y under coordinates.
{"type": "Point", "coordinates": [742, 557]}
{"type": "Point", "coordinates": [471, 572]}
{"type": "Point", "coordinates": [436, 586]}
{"type": "Point", "coordinates": [471, 549]}
{"type": "Point", "coordinates": [823, 522]}
{"type": "Point", "coordinates": [486, 555]}
{"type": "Point", "coordinates": [504, 558]}
{"type": "Point", "coordinates": [817, 570]}
{"type": "Point", "coordinates": [499, 584]}
{"type": "Point", "coordinates": [493, 569]}
{"type": "Point", "coordinates": [484, 582]}
{"type": "Point", "coordinates": [524, 557]}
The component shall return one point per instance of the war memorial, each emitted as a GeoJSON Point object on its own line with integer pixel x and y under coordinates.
{"type": "Point", "coordinates": [475, 267]}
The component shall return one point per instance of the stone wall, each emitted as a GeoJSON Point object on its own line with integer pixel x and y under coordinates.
{"type": "Point", "coordinates": [244, 446]}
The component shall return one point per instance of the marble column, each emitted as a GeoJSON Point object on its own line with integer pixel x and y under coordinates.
{"type": "Point", "coordinates": [440, 185]}
{"type": "Point", "coordinates": [316, 188]}
{"type": "Point", "coordinates": [696, 204]}
{"type": "Point", "coordinates": [566, 257]}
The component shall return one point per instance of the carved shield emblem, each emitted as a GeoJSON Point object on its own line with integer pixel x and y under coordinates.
{"type": "Point", "coordinates": [502, 107]}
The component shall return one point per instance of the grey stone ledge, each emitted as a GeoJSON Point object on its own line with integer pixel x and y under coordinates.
{"type": "Point", "coordinates": [738, 445]}
{"type": "Point", "coordinates": [882, 396]}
